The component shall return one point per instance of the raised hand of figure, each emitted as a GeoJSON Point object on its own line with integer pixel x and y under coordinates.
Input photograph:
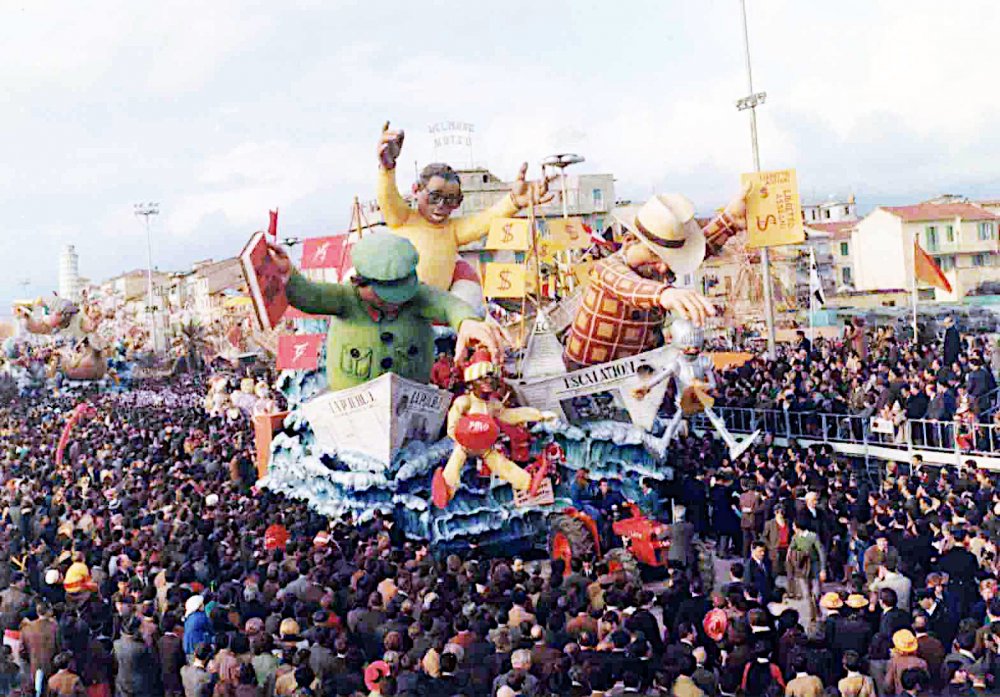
{"type": "Point", "coordinates": [737, 208]}
{"type": "Point", "coordinates": [281, 260]}
{"type": "Point", "coordinates": [688, 304]}
{"type": "Point", "coordinates": [525, 193]}
{"type": "Point", "coordinates": [389, 147]}
{"type": "Point", "coordinates": [485, 333]}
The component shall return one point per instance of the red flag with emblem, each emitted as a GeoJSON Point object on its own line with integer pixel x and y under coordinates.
{"type": "Point", "coordinates": [323, 252]}
{"type": "Point", "coordinates": [299, 351]}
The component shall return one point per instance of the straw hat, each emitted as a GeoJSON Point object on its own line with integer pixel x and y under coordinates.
{"type": "Point", "coordinates": [665, 224]}
{"type": "Point", "coordinates": [831, 601]}
{"type": "Point", "coordinates": [856, 601]}
{"type": "Point", "coordinates": [289, 628]}
{"type": "Point", "coordinates": [904, 641]}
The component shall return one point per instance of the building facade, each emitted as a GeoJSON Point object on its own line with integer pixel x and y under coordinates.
{"type": "Point", "coordinates": [961, 236]}
{"type": "Point", "coordinates": [841, 252]}
{"type": "Point", "coordinates": [830, 211]}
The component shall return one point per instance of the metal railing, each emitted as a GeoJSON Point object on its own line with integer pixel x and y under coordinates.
{"type": "Point", "coordinates": [919, 434]}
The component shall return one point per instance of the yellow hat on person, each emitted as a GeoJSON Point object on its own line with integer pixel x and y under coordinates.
{"type": "Point", "coordinates": [289, 628]}
{"type": "Point", "coordinates": [904, 641]}
{"type": "Point", "coordinates": [856, 601]}
{"type": "Point", "coordinates": [831, 601]}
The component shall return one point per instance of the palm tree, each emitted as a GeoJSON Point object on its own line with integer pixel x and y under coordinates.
{"type": "Point", "coordinates": [194, 341]}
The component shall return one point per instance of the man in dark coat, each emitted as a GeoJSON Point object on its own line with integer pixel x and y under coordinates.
{"type": "Point", "coordinates": [952, 341]}
{"type": "Point", "coordinates": [961, 566]}
{"type": "Point", "coordinates": [172, 658]}
{"type": "Point", "coordinates": [757, 574]}
{"type": "Point", "coordinates": [138, 674]}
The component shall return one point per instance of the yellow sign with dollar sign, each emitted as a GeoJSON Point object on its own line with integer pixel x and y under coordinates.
{"type": "Point", "coordinates": [509, 233]}
{"type": "Point", "coordinates": [504, 280]}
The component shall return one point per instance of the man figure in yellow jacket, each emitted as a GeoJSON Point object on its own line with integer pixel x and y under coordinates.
{"type": "Point", "coordinates": [436, 235]}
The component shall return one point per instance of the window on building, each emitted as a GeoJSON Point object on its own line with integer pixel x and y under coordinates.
{"type": "Point", "coordinates": [599, 225]}
{"type": "Point", "coordinates": [826, 213]}
{"type": "Point", "coordinates": [982, 260]}
{"type": "Point", "coordinates": [845, 250]}
{"type": "Point", "coordinates": [986, 230]}
{"type": "Point", "coordinates": [949, 233]}
{"type": "Point", "coordinates": [931, 236]}
{"type": "Point", "coordinates": [947, 262]}
{"type": "Point", "coordinates": [812, 214]}
{"type": "Point", "coordinates": [598, 199]}
{"type": "Point", "coordinates": [847, 210]}
{"type": "Point", "coordinates": [846, 276]}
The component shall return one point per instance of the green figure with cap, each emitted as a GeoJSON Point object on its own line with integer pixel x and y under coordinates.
{"type": "Point", "coordinates": [381, 321]}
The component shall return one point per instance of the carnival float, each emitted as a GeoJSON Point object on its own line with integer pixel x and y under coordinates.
{"type": "Point", "coordinates": [563, 371]}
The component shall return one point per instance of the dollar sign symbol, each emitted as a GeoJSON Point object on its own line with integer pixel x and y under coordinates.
{"type": "Point", "coordinates": [505, 283]}
{"type": "Point", "coordinates": [768, 220]}
{"type": "Point", "coordinates": [508, 234]}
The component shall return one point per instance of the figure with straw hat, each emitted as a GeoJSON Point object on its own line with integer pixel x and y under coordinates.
{"type": "Point", "coordinates": [904, 657]}
{"type": "Point", "coordinates": [622, 310]}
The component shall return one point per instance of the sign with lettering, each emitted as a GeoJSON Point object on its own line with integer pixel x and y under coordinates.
{"type": "Point", "coordinates": [504, 280]}
{"type": "Point", "coordinates": [377, 418]}
{"type": "Point", "coordinates": [604, 392]}
{"type": "Point", "coordinates": [447, 133]}
{"type": "Point", "coordinates": [509, 233]}
{"type": "Point", "coordinates": [774, 212]}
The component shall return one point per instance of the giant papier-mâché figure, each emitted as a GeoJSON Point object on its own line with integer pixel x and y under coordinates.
{"type": "Point", "coordinates": [381, 321]}
{"type": "Point", "coordinates": [435, 234]}
{"type": "Point", "coordinates": [473, 423]}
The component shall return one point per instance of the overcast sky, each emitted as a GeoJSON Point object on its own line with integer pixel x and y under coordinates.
{"type": "Point", "coordinates": [219, 109]}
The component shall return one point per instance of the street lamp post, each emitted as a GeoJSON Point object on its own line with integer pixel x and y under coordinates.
{"type": "Point", "coordinates": [561, 162]}
{"type": "Point", "coordinates": [751, 102]}
{"type": "Point", "coordinates": [146, 210]}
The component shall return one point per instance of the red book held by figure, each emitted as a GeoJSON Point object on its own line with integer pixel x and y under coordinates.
{"type": "Point", "coordinates": [267, 288]}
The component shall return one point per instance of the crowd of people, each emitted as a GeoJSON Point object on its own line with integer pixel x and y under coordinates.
{"type": "Point", "coordinates": [876, 374]}
{"type": "Point", "coordinates": [148, 563]}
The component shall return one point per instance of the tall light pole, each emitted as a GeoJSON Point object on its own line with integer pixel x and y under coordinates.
{"type": "Point", "coordinates": [561, 162]}
{"type": "Point", "coordinates": [146, 210]}
{"type": "Point", "coordinates": [751, 101]}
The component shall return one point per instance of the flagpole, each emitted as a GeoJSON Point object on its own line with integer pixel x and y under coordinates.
{"type": "Point", "coordinates": [914, 252]}
{"type": "Point", "coordinates": [812, 293]}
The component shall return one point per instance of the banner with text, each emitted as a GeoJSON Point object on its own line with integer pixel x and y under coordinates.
{"type": "Point", "coordinates": [774, 212]}
{"type": "Point", "coordinates": [604, 392]}
{"type": "Point", "coordinates": [379, 417]}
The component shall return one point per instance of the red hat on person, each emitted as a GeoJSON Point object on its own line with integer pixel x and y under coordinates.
{"type": "Point", "coordinates": [715, 624]}
{"type": "Point", "coordinates": [375, 672]}
{"type": "Point", "coordinates": [479, 366]}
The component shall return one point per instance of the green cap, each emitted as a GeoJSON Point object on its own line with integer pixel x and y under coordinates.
{"type": "Point", "coordinates": [389, 263]}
